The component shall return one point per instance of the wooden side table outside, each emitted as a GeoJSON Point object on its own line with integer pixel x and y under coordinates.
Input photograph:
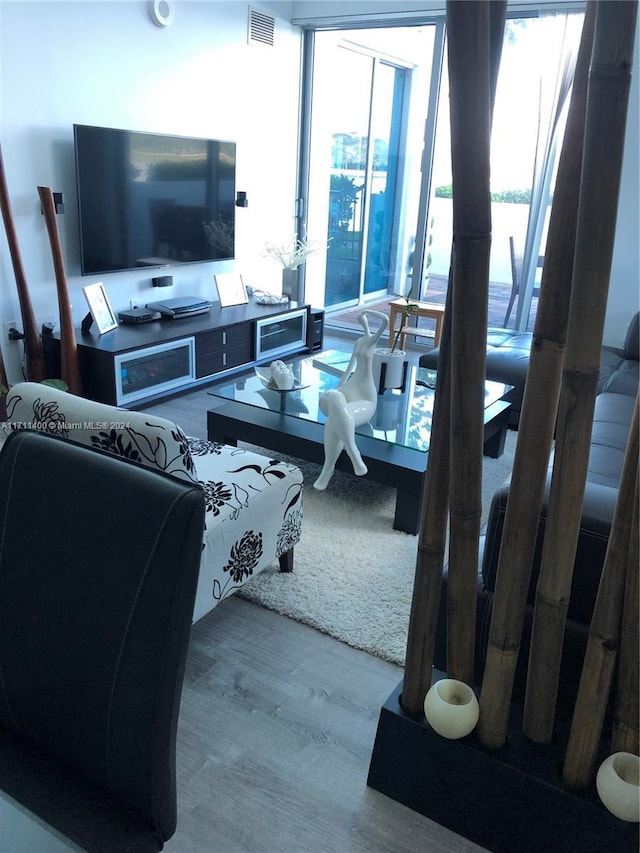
{"type": "Point", "coordinates": [425, 309]}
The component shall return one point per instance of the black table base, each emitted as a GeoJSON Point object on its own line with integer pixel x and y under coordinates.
{"type": "Point", "coordinates": [388, 464]}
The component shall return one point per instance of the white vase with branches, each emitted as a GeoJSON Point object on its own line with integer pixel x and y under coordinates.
{"type": "Point", "coordinates": [291, 255]}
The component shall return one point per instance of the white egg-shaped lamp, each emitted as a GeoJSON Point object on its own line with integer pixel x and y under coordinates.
{"type": "Point", "coordinates": [451, 708]}
{"type": "Point", "coordinates": [617, 783]}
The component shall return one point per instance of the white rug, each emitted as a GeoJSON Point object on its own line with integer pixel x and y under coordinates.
{"type": "Point", "coordinates": [353, 574]}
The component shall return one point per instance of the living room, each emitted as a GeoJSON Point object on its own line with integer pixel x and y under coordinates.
{"type": "Point", "coordinates": [278, 720]}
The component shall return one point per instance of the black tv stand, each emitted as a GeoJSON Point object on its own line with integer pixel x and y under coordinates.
{"type": "Point", "coordinates": [135, 364]}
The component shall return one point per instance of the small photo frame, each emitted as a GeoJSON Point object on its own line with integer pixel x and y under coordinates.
{"type": "Point", "coordinates": [100, 307]}
{"type": "Point", "coordinates": [231, 289]}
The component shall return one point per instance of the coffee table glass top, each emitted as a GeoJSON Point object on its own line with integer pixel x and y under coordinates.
{"type": "Point", "coordinates": [401, 417]}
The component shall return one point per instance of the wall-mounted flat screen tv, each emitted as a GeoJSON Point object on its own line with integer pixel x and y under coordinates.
{"type": "Point", "coordinates": [152, 200]}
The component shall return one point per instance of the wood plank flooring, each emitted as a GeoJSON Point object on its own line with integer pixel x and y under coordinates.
{"type": "Point", "coordinates": [275, 736]}
{"type": "Point", "coordinates": [276, 730]}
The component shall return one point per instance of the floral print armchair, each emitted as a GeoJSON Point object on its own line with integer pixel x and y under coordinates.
{"type": "Point", "coordinates": [253, 503]}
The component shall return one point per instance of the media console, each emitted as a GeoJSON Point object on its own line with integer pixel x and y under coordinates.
{"type": "Point", "coordinates": [137, 364]}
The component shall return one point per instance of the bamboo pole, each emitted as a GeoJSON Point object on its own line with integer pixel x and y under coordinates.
{"type": "Point", "coordinates": [432, 537]}
{"type": "Point", "coordinates": [69, 367]}
{"type": "Point", "coordinates": [34, 355]}
{"type": "Point", "coordinates": [604, 632]}
{"type": "Point", "coordinates": [607, 101]}
{"type": "Point", "coordinates": [470, 110]}
{"type": "Point", "coordinates": [435, 503]}
{"type": "Point", "coordinates": [537, 420]}
{"type": "Point", "coordinates": [625, 737]}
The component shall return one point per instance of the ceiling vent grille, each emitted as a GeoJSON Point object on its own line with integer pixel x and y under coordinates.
{"type": "Point", "coordinates": [261, 27]}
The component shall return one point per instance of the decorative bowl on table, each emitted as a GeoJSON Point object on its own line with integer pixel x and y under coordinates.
{"type": "Point", "coordinates": [264, 375]}
{"type": "Point", "coordinates": [262, 297]}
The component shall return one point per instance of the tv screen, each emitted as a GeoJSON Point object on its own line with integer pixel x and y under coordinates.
{"type": "Point", "coordinates": [150, 200]}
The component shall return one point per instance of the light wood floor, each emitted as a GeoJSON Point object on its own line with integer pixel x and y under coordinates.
{"type": "Point", "coordinates": [274, 741]}
{"type": "Point", "coordinates": [276, 730]}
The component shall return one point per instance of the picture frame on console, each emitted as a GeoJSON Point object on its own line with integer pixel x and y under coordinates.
{"type": "Point", "coordinates": [231, 289]}
{"type": "Point", "coordinates": [101, 311]}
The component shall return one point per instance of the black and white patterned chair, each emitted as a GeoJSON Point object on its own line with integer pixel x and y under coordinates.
{"type": "Point", "coordinates": [254, 504]}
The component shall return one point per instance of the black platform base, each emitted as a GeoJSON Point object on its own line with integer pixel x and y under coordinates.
{"type": "Point", "coordinates": [510, 800]}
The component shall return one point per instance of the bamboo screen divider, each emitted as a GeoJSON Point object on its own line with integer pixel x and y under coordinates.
{"type": "Point", "coordinates": [571, 309]}
{"type": "Point", "coordinates": [475, 34]}
{"type": "Point", "coordinates": [607, 102]}
{"type": "Point", "coordinates": [606, 624]}
{"type": "Point", "coordinates": [537, 419]}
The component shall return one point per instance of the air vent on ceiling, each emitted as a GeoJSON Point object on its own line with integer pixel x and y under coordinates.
{"type": "Point", "coordinates": [261, 27]}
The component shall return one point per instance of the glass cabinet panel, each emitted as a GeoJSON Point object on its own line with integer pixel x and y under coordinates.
{"type": "Point", "coordinates": [154, 369]}
{"type": "Point", "coordinates": [280, 335]}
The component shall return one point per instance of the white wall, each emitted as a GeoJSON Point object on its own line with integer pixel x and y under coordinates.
{"type": "Point", "coordinates": [106, 63]}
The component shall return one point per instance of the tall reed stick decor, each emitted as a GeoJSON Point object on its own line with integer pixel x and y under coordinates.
{"type": "Point", "coordinates": [607, 101]}
{"type": "Point", "coordinates": [69, 367]}
{"type": "Point", "coordinates": [604, 632]}
{"type": "Point", "coordinates": [537, 419]}
{"type": "Point", "coordinates": [34, 356]}
{"type": "Point", "coordinates": [4, 382]}
{"type": "Point", "coordinates": [488, 19]}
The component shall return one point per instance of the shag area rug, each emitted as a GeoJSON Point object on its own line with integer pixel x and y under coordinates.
{"type": "Point", "coordinates": [353, 573]}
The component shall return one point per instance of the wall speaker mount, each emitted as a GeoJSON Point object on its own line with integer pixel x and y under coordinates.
{"type": "Point", "coordinates": [161, 12]}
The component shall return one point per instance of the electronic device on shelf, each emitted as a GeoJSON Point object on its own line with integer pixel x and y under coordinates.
{"type": "Point", "coordinates": [181, 306]}
{"type": "Point", "coordinates": [134, 316]}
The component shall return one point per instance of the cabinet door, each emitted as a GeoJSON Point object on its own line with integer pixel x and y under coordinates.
{"type": "Point", "coordinates": [281, 335]}
{"type": "Point", "coordinates": [153, 370]}
{"type": "Point", "coordinates": [216, 340]}
{"type": "Point", "coordinates": [214, 362]}
{"type": "Point", "coordinates": [222, 349]}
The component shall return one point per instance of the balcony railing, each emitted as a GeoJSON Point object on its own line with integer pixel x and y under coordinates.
{"type": "Point", "coordinates": [499, 293]}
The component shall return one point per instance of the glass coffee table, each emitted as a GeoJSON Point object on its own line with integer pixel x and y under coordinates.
{"type": "Point", "coordinates": [393, 444]}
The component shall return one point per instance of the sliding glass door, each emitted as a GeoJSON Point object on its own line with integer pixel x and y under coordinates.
{"type": "Point", "coordinates": [365, 132]}
{"type": "Point", "coordinates": [387, 104]}
{"type": "Point", "coordinates": [349, 177]}
{"type": "Point", "coordinates": [379, 161]}
{"type": "Point", "coordinates": [365, 160]}
{"type": "Point", "coordinates": [534, 86]}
